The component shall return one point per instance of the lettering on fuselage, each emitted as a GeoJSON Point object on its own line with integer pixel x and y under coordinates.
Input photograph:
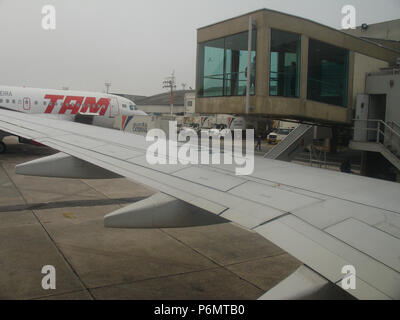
{"type": "Point", "coordinates": [77, 104]}
{"type": "Point", "coordinates": [5, 94]}
{"type": "Point", "coordinates": [140, 128]}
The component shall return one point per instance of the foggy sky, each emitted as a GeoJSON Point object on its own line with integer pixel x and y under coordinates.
{"type": "Point", "coordinates": [134, 44]}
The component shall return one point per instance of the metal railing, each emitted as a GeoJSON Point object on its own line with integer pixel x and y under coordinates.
{"type": "Point", "coordinates": [318, 156]}
{"type": "Point", "coordinates": [286, 143]}
{"type": "Point", "coordinates": [385, 133]}
{"type": "Point", "coordinates": [395, 126]}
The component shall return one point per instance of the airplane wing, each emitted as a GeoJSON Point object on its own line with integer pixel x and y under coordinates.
{"type": "Point", "coordinates": [325, 219]}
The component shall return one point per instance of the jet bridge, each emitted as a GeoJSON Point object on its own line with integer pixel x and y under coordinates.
{"type": "Point", "coordinates": [377, 124]}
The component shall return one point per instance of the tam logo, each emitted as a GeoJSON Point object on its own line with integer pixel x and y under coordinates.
{"type": "Point", "coordinates": [230, 121]}
{"type": "Point", "coordinates": [203, 120]}
{"type": "Point", "coordinates": [76, 104]}
{"type": "Point", "coordinates": [125, 121]}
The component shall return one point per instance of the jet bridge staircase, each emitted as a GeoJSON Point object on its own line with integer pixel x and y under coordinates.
{"type": "Point", "coordinates": [295, 142]}
{"type": "Point", "coordinates": [378, 136]}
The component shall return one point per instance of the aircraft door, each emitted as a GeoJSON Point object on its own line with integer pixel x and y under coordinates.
{"type": "Point", "coordinates": [26, 104]}
{"type": "Point", "coordinates": [114, 108]}
{"type": "Point", "coordinates": [360, 126]}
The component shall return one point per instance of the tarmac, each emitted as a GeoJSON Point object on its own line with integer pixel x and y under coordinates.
{"type": "Point", "coordinates": [59, 222]}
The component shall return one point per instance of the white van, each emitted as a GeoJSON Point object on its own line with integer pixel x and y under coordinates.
{"type": "Point", "coordinates": [281, 132]}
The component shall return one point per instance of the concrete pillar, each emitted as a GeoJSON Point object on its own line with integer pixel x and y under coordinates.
{"type": "Point", "coordinates": [304, 67]}
{"type": "Point", "coordinates": [350, 87]}
{"type": "Point", "coordinates": [262, 76]}
{"type": "Point", "coordinates": [334, 140]}
{"type": "Point", "coordinates": [363, 168]}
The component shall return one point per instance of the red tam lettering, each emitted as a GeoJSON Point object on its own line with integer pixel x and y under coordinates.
{"type": "Point", "coordinates": [74, 107]}
{"type": "Point", "coordinates": [53, 101]}
{"type": "Point", "coordinates": [94, 106]}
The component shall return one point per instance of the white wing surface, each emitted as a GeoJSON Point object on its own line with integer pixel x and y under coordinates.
{"type": "Point", "coordinates": [325, 219]}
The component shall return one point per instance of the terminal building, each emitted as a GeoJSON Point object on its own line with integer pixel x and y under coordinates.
{"type": "Point", "coordinates": [160, 104]}
{"type": "Point", "coordinates": [268, 64]}
{"type": "Point", "coordinates": [386, 33]}
{"type": "Point", "coordinates": [299, 68]}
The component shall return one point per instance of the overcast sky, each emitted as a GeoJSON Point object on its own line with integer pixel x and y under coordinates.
{"type": "Point", "coordinates": [134, 44]}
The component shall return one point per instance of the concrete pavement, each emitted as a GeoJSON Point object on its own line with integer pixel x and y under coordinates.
{"type": "Point", "coordinates": [60, 222]}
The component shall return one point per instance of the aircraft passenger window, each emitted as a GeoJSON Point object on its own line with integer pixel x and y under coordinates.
{"type": "Point", "coordinates": [36, 103]}
{"type": "Point", "coordinates": [44, 103]}
{"type": "Point", "coordinates": [124, 106]}
{"type": "Point", "coordinates": [13, 101]}
{"type": "Point", "coordinates": [132, 108]}
{"type": "Point", "coordinates": [7, 101]}
{"type": "Point", "coordinates": [1, 100]}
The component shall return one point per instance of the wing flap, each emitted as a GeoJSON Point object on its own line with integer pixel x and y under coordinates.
{"type": "Point", "coordinates": [328, 255]}
{"type": "Point", "coordinates": [369, 240]}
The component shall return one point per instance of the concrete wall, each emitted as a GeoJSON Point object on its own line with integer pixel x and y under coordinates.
{"type": "Point", "coordinates": [161, 109]}
{"type": "Point", "coordinates": [387, 43]}
{"type": "Point", "coordinates": [301, 108]}
{"type": "Point", "coordinates": [364, 64]}
{"type": "Point", "coordinates": [389, 30]}
{"type": "Point", "coordinates": [190, 98]}
{"type": "Point", "coordinates": [381, 84]}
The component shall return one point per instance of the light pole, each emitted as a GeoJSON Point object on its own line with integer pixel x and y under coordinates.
{"type": "Point", "coordinates": [108, 86]}
{"type": "Point", "coordinates": [169, 83]}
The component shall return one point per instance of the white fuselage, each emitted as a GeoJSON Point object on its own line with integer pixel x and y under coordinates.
{"type": "Point", "coordinates": [100, 108]}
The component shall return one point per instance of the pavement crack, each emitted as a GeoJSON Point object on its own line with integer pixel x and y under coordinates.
{"type": "Point", "coordinates": [225, 267]}
{"type": "Point", "coordinates": [51, 238]}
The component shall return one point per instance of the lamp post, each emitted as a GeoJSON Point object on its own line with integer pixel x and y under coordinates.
{"type": "Point", "coordinates": [108, 86]}
{"type": "Point", "coordinates": [169, 83]}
